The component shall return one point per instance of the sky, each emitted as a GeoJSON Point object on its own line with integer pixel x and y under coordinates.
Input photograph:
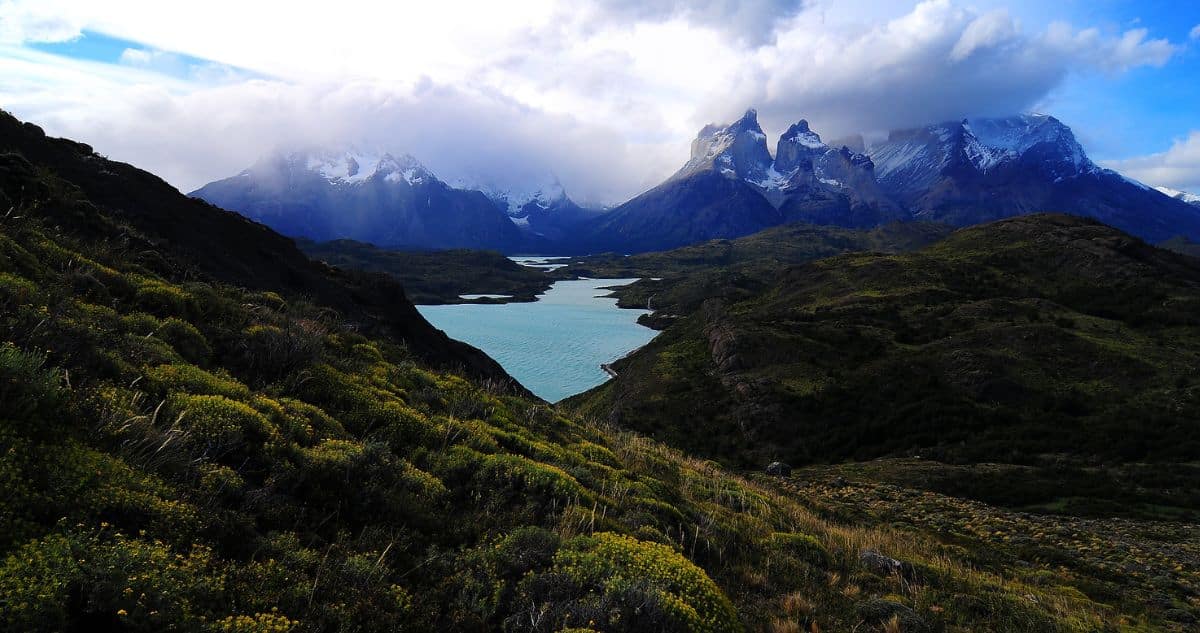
{"type": "Point", "coordinates": [604, 94]}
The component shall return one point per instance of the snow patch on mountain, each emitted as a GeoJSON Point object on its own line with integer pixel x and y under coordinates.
{"type": "Point", "coordinates": [354, 166]}
{"type": "Point", "coordinates": [774, 179]}
{"type": "Point", "coordinates": [1185, 196]}
{"type": "Point", "coordinates": [544, 193]}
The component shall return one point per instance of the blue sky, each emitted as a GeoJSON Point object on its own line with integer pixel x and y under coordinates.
{"type": "Point", "coordinates": [1146, 109]}
{"type": "Point", "coordinates": [607, 94]}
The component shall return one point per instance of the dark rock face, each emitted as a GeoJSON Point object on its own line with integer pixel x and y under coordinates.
{"type": "Point", "coordinates": [393, 203]}
{"type": "Point", "coordinates": [737, 150]}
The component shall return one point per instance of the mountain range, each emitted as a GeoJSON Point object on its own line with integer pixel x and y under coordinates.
{"type": "Point", "coordinates": [958, 173]}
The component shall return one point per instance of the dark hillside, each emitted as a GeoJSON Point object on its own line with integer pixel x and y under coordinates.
{"type": "Point", "coordinates": [1041, 334]}
{"type": "Point", "coordinates": [198, 240]}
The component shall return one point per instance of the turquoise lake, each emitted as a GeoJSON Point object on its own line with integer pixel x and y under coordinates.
{"type": "Point", "coordinates": [555, 345]}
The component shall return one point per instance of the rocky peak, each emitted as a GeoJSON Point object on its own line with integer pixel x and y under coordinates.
{"type": "Point", "coordinates": [736, 150]}
{"type": "Point", "coordinates": [798, 146]}
{"type": "Point", "coordinates": [404, 168]}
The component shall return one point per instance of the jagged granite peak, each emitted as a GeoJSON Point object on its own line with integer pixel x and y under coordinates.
{"type": "Point", "coordinates": [736, 150]}
{"type": "Point", "coordinates": [797, 148]}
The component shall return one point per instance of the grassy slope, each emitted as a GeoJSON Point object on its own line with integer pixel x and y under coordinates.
{"type": "Point", "coordinates": [436, 277]}
{"type": "Point", "coordinates": [1039, 334]}
{"type": "Point", "coordinates": [178, 452]}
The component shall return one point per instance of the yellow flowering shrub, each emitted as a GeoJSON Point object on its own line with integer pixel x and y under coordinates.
{"type": "Point", "coordinates": [257, 623]}
{"type": "Point", "coordinates": [160, 298]}
{"type": "Point", "coordinates": [185, 338]}
{"type": "Point", "coordinates": [614, 564]}
{"type": "Point", "coordinates": [218, 421]}
{"type": "Point", "coordinates": [191, 379]}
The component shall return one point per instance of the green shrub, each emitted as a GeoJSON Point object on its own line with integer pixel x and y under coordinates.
{"type": "Point", "coordinates": [185, 338]}
{"type": "Point", "coordinates": [191, 379]}
{"type": "Point", "coordinates": [30, 395]}
{"type": "Point", "coordinates": [257, 623]}
{"type": "Point", "coordinates": [15, 291]}
{"type": "Point", "coordinates": [802, 547]}
{"type": "Point", "coordinates": [303, 419]}
{"type": "Point", "coordinates": [526, 549]}
{"type": "Point", "coordinates": [83, 582]}
{"type": "Point", "coordinates": [161, 299]}
{"type": "Point", "coordinates": [367, 353]}
{"type": "Point", "coordinates": [270, 353]}
{"type": "Point", "coordinates": [618, 583]}
{"type": "Point", "coordinates": [140, 323]}
{"type": "Point", "coordinates": [216, 422]}
{"type": "Point", "coordinates": [523, 474]}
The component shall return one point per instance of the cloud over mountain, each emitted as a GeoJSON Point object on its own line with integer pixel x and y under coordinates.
{"type": "Point", "coordinates": [604, 93]}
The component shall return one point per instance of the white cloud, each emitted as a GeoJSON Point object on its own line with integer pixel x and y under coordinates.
{"type": "Point", "coordinates": [1114, 54]}
{"type": "Point", "coordinates": [191, 136]}
{"type": "Point", "coordinates": [984, 32]}
{"type": "Point", "coordinates": [607, 93]}
{"type": "Point", "coordinates": [49, 21]}
{"type": "Point", "coordinates": [1178, 167]}
{"type": "Point", "coordinates": [747, 21]}
{"type": "Point", "coordinates": [1195, 34]}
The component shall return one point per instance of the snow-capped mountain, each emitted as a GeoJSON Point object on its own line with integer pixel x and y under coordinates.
{"type": "Point", "coordinates": [914, 160]}
{"type": "Point", "coordinates": [515, 198]}
{"type": "Point", "coordinates": [732, 186]}
{"type": "Point", "coordinates": [540, 207]}
{"type": "Point", "coordinates": [960, 173]}
{"type": "Point", "coordinates": [355, 166]}
{"type": "Point", "coordinates": [1183, 196]}
{"type": "Point", "coordinates": [978, 170]}
{"type": "Point", "coordinates": [736, 150]}
{"type": "Point", "coordinates": [374, 197]}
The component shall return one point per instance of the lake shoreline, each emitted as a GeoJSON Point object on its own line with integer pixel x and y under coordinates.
{"type": "Point", "coordinates": [556, 346]}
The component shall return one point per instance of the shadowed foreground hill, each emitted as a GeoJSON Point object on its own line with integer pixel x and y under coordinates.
{"type": "Point", "coordinates": [197, 240]}
{"type": "Point", "coordinates": [1041, 334]}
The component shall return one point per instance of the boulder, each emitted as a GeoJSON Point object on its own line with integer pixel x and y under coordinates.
{"type": "Point", "coordinates": [881, 565]}
{"type": "Point", "coordinates": [778, 469]}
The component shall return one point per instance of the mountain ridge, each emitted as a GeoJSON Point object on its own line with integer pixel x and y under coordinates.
{"type": "Point", "coordinates": [961, 172]}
